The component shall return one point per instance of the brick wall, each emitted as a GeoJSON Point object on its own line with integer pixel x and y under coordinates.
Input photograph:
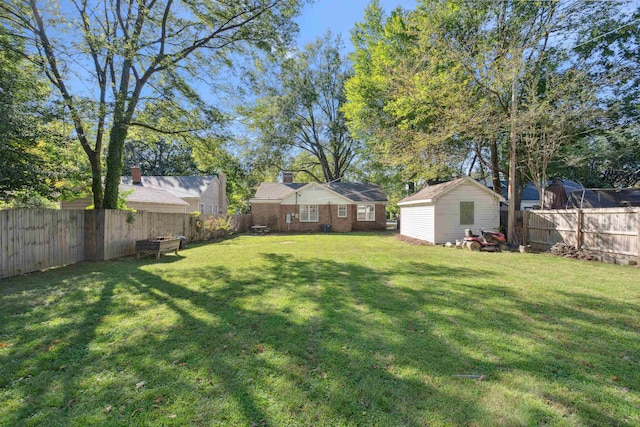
{"type": "Point", "coordinates": [379, 224]}
{"type": "Point", "coordinates": [266, 214]}
{"type": "Point", "coordinates": [274, 216]}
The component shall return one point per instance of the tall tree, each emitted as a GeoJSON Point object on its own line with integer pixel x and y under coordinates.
{"type": "Point", "coordinates": [459, 76]}
{"type": "Point", "coordinates": [134, 50]}
{"type": "Point", "coordinates": [299, 111]}
{"type": "Point", "coordinates": [36, 161]}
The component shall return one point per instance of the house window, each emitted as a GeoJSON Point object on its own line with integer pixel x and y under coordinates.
{"type": "Point", "coordinates": [215, 209]}
{"type": "Point", "coordinates": [308, 213]}
{"type": "Point", "coordinates": [466, 213]}
{"type": "Point", "coordinates": [342, 211]}
{"type": "Point", "coordinates": [202, 208]}
{"type": "Point", "coordinates": [366, 212]}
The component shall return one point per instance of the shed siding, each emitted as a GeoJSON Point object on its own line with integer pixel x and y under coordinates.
{"type": "Point", "coordinates": [418, 222]}
{"type": "Point", "coordinates": [447, 212]}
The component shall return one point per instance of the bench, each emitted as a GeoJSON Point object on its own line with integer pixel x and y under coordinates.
{"type": "Point", "coordinates": [259, 229]}
{"type": "Point", "coordinates": [157, 246]}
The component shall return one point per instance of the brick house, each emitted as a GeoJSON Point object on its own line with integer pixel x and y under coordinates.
{"type": "Point", "coordinates": [289, 206]}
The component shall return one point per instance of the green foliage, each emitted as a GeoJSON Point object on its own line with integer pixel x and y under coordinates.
{"type": "Point", "coordinates": [135, 52]}
{"type": "Point", "coordinates": [36, 162]}
{"type": "Point", "coordinates": [435, 87]}
{"type": "Point", "coordinates": [297, 116]}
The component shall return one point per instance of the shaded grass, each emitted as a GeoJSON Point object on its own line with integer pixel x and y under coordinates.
{"type": "Point", "coordinates": [356, 329]}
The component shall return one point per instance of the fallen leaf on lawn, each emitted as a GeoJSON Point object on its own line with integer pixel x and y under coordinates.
{"type": "Point", "coordinates": [171, 416]}
{"type": "Point", "coordinates": [63, 367]}
{"type": "Point", "coordinates": [57, 341]}
{"type": "Point", "coordinates": [72, 402]}
{"type": "Point", "coordinates": [3, 344]}
{"type": "Point", "coordinates": [324, 375]}
{"type": "Point", "coordinates": [158, 399]}
{"type": "Point", "coordinates": [137, 411]}
{"type": "Point", "coordinates": [107, 409]}
{"type": "Point", "coordinates": [140, 385]}
{"type": "Point", "coordinates": [615, 378]}
{"type": "Point", "coordinates": [260, 348]}
{"type": "Point", "coordinates": [175, 362]}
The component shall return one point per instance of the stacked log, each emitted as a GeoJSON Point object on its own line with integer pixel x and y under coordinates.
{"type": "Point", "coordinates": [570, 251]}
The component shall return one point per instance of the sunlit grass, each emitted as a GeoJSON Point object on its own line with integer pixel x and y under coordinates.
{"type": "Point", "coordinates": [354, 329]}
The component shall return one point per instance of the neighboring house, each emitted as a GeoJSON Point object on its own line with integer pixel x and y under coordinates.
{"type": "Point", "coordinates": [531, 197]}
{"type": "Point", "coordinates": [440, 213]}
{"type": "Point", "coordinates": [138, 198]}
{"type": "Point", "coordinates": [205, 194]}
{"type": "Point", "coordinates": [339, 206]}
{"type": "Point", "coordinates": [605, 198]}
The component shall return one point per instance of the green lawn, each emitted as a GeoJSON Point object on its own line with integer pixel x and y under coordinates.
{"type": "Point", "coordinates": [353, 329]}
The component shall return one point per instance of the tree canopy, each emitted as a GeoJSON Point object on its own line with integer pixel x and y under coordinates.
{"type": "Point", "coordinates": [297, 117]}
{"type": "Point", "coordinates": [104, 57]}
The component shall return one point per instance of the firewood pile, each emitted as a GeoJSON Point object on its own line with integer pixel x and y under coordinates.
{"type": "Point", "coordinates": [569, 251]}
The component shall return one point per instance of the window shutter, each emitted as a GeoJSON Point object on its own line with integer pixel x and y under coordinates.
{"type": "Point", "coordinates": [466, 213]}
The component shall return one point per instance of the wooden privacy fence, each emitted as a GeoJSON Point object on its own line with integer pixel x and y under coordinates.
{"type": "Point", "coordinates": [613, 233]}
{"type": "Point", "coordinates": [36, 239]}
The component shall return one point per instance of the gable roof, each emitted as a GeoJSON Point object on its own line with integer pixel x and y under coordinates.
{"type": "Point", "coordinates": [142, 194]}
{"type": "Point", "coordinates": [433, 192]}
{"type": "Point", "coordinates": [354, 191]}
{"type": "Point", "coordinates": [276, 190]}
{"type": "Point", "coordinates": [359, 192]}
{"type": "Point", "coordinates": [530, 192]}
{"type": "Point", "coordinates": [179, 186]}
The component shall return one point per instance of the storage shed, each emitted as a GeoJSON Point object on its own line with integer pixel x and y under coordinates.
{"type": "Point", "coordinates": [440, 213]}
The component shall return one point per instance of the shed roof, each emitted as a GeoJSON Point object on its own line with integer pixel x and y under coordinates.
{"type": "Point", "coordinates": [432, 192]}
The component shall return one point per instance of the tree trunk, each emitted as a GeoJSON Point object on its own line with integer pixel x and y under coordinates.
{"type": "Point", "coordinates": [96, 180]}
{"type": "Point", "coordinates": [114, 163]}
{"type": "Point", "coordinates": [495, 167]}
{"type": "Point", "coordinates": [513, 162]}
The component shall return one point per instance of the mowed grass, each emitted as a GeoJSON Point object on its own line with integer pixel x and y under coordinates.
{"type": "Point", "coordinates": [353, 329]}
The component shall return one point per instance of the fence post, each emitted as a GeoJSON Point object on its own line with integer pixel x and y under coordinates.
{"type": "Point", "coordinates": [579, 229]}
{"type": "Point", "coordinates": [525, 227]}
{"type": "Point", "coordinates": [638, 242]}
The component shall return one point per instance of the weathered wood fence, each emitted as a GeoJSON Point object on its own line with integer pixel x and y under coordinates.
{"type": "Point", "coordinates": [36, 239]}
{"type": "Point", "coordinates": [613, 233]}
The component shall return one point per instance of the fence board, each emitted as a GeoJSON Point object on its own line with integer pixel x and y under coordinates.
{"type": "Point", "coordinates": [35, 239]}
{"type": "Point", "coordinates": [612, 231]}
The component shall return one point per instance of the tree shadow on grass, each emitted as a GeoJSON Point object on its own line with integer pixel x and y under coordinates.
{"type": "Point", "coordinates": [316, 341]}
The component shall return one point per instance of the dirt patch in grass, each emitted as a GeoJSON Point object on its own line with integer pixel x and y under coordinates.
{"type": "Point", "coordinates": [412, 241]}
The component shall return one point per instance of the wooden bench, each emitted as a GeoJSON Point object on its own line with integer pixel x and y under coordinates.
{"type": "Point", "coordinates": [157, 246]}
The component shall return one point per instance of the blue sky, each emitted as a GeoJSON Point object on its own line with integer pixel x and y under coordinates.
{"type": "Point", "coordinates": [339, 16]}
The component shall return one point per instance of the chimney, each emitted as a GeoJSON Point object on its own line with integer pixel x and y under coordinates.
{"type": "Point", "coordinates": [287, 177]}
{"type": "Point", "coordinates": [222, 193]}
{"type": "Point", "coordinates": [136, 175]}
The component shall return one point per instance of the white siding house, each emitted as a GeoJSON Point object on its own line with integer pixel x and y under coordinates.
{"type": "Point", "coordinates": [440, 213]}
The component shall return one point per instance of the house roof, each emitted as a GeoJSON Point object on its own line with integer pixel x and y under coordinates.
{"type": "Point", "coordinates": [530, 192]}
{"type": "Point", "coordinates": [605, 197]}
{"type": "Point", "coordinates": [179, 186]}
{"type": "Point", "coordinates": [432, 192]}
{"type": "Point", "coordinates": [142, 194]}
{"type": "Point", "coordinates": [359, 192]}
{"type": "Point", "coordinates": [276, 190]}
{"type": "Point", "coordinates": [354, 191]}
